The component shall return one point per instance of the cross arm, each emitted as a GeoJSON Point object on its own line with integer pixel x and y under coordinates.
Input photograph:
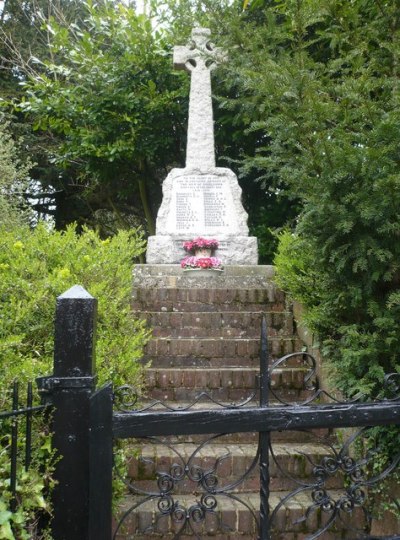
{"type": "Point", "coordinates": [182, 55]}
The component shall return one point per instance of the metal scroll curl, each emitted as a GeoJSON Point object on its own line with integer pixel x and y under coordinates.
{"type": "Point", "coordinates": [304, 366]}
{"type": "Point", "coordinates": [126, 399]}
{"type": "Point", "coordinates": [335, 491]}
{"type": "Point", "coordinates": [391, 386]}
{"type": "Point", "coordinates": [185, 470]}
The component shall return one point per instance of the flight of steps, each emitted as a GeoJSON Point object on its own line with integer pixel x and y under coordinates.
{"type": "Point", "coordinates": [206, 337]}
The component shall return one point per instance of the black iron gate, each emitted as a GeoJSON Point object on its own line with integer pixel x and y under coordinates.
{"type": "Point", "coordinates": [85, 426]}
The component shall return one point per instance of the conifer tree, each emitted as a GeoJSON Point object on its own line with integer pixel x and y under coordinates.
{"type": "Point", "coordinates": [321, 87]}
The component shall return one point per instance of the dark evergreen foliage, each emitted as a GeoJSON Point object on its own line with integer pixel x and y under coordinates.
{"type": "Point", "coordinates": [324, 98]}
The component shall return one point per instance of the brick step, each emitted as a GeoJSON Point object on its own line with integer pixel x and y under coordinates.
{"type": "Point", "coordinates": [239, 377]}
{"type": "Point", "coordinates": [228, 386]}
{"type": "Point", "coordinates": [244, 348]}
{"type": "Point", "coordinates": [198, 362]}
{"type": "Point", "coordinates": [238, 520]}
{"type": "Point", "coordinates": [208, 300]}
{"type": "Point", "coordinates": [298, 437]}
{"type": "Point", "coordinates": [229, 463]}
{"type": "Point", "coordinates": [241, 296]}
{"type": "Point", "coordinates": [227, 396]}
{"type": "Point", "coordinates": [217, 324]}
{"type": "Point", "coordinates": [191, 307]}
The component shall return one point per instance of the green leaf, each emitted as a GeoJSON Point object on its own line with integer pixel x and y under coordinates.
{"type": "Point", "coordinates": [6, 532]}
{"type": "Point", "coordinates": [5, 516]}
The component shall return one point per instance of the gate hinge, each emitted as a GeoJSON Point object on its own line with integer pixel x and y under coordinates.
{"type": "Point", "coordinates": [47, 385]}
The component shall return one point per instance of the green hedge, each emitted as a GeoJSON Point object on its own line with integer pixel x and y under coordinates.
{"type": "Point", "coordinates": [35, 267]}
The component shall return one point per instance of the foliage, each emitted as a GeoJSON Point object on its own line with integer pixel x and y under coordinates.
{"type": "Point", "coordinates": [322, 98]}
{"type": "Point", "coordinates": [23, 40]}
{"type": "Point", "coordinates": [13, 181]}
{"type": "Point", "coordinates": [36, 266]}
{"type": "Point", "coordinates": [322, 95]}
{"type": "Point", "coordinates": [110, 120]}
{"type": "Point", "coordinates": [108, 89]}
{"type": "Point", "coordinates": [32, 487]}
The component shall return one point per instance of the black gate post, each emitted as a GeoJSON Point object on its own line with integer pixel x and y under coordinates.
{"type": "Point", "coordinates": [71, 386]}
{"type": "Point", "coordinates": [101, 464]}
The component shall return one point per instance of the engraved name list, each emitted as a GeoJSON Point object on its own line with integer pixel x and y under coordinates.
{"type": "Point", "coordinates": [201, 204]}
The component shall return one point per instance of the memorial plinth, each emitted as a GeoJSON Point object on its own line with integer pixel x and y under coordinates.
{"type": "Point", "coordinates": [202, 203]}
{"type": "Point", "coordinates": [201, 199]}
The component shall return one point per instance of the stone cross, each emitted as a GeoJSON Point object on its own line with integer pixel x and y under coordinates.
{"type": "Point", "coordinates": [199, 58]}
{"type": "Point", "coordinates": [201, 199]}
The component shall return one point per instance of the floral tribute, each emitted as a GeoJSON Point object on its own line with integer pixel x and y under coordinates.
{"type": "Point", "coordinates": [197, 254]}
{"type": "Point", "coordinates": [201, 262]}
{"type": "Point", "coordinates": [200, 243]}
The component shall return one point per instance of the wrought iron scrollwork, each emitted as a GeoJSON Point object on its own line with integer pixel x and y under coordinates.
{"type": "Point", "coordinates": [207, 485]}
{"type": "Point", "coordinates": [307, 363]}
{"type": "Point", "coordinates": [392, 386]}
{"type": "Point", "coordinates": [126, 399]}
{"type": "Point", "coordinates": [338, 502]}
{"type": "Point", "coordinates": [336, 489]}
{"type": "Point", "coordinates": [192, 516]}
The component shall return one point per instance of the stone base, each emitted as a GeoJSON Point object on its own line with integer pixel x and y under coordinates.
{"type": "Point", "coordinates": [237, 250]}
{"type": "Point", "coordinates": [151, 276]}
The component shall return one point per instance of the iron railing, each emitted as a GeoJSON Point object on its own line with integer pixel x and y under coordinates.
{"type": "Point", "coordinates": [155, 422]}
{"type": "Point", "coordinates": [16, 432]}
{"type": "Point", "coordinates": [84, 426]}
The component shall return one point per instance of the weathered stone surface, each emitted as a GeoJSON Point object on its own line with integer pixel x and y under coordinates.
{"type": "Point", "coordinates": [172, 275]}
{"type": "Point", "coordinates": [202, 203]}
{"type": "Point", "coordinates": [201, 199]}
{"type": "Point", "coordinates": [233, 250]}
{"type": "Point", "coordinates": [199, 59]}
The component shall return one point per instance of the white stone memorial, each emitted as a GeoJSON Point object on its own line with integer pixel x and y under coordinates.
{"type": "Point", "coordinates": [201, 199]}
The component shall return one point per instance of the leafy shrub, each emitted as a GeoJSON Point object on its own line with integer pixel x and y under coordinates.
{"type": "Point", "coordinates": [320, 90]}
{"type": "Point", "coordinates": [322, 95]}
{"type": "Point", "coordinates": [33, 486]}
{"type": "Point", "coordinates": [13, 180]}
{"type": "Point", "coordinates": [35, 267]}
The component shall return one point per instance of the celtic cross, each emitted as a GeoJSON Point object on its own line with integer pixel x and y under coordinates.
{"type": "Point", "coordinates": [199, 58]}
